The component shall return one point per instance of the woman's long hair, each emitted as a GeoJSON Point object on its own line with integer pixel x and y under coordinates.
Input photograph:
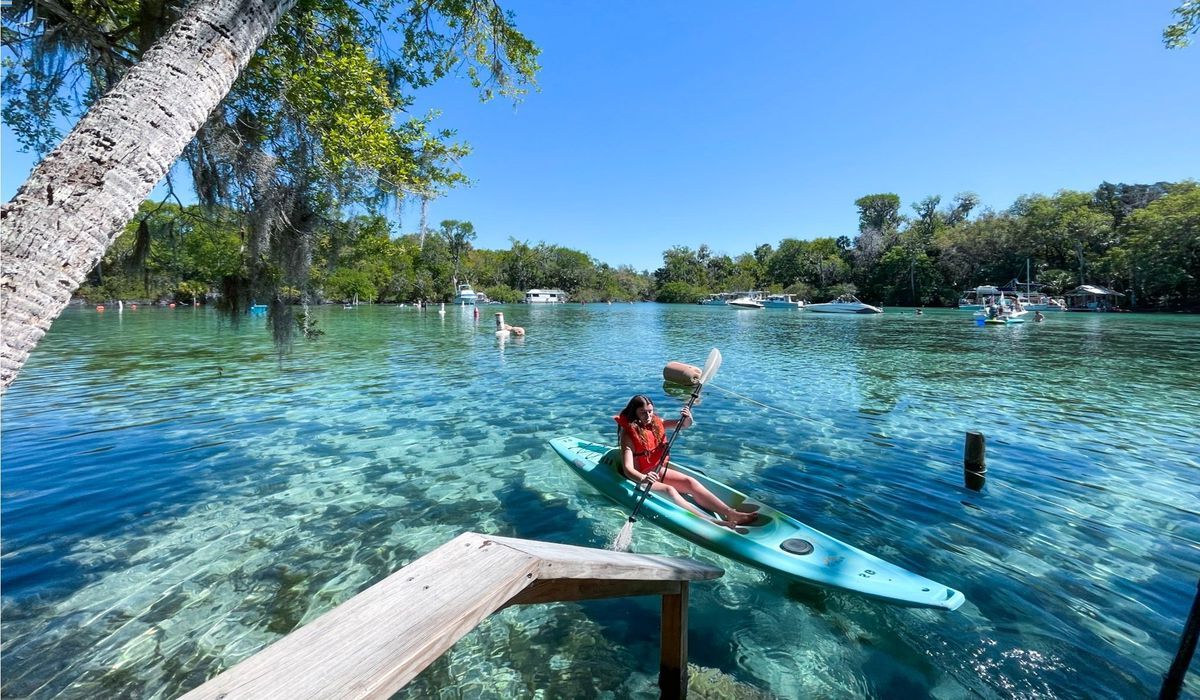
{"type": "Point", "coordinates": [629, 413]}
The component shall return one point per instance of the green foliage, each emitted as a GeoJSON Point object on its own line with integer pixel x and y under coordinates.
{"type": "Point", "coordinates": [1057, 282]}
{"type": "Point", "coordinates": [680, 293]}
{"type": "Point", "coordinates": [504, 294]}
{"type": "Point", "coordinates": [190, 291]}
{"type": "Point", "coordinates": [1123, 236]}
{"type": "Point", "coordinates": [211, 250]}
{"type": "Point", "coordinates": [349, 284]}
{"type": "Point", "coordinates": [458, 236]}
{"type": "Point", "coordinates": [1175, 36]}
{"type": "Point", "coordinates": [1137, 238]}
{"type": "Point", "coordinates": [1163, 249]}
{"type": "Point", "coordinates": [317, 122]}
{"type": "Point", "coordinates": [112, 289]}
{"type": "Point", "coordinates": [802, 290]}
{"type": "Point", "coordinates": [878, 212]}
{"type": "Point", "coordinates": [838, 290]}
{"type": "Point", "coordinates": [681, 265]}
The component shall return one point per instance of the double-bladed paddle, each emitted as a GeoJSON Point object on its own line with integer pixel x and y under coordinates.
{"type": "Point", "coordinates": [625, 536]}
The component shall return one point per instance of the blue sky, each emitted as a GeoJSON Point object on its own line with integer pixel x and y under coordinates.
{"type": "Point", "coordinates": [734, 124]}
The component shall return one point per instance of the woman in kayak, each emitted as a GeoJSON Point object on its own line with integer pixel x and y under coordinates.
{"type": "Point", "coordinates": [642, 436]}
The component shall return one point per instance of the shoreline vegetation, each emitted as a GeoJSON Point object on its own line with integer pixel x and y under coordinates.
{"type": "Point", "coordinates": [1141, 240]}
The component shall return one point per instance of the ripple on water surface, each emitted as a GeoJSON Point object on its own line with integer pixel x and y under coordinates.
{"type": "Point", "coordinates": [177, 496]}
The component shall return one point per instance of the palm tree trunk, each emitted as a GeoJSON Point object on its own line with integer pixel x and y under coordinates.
{"type": "Point", "coordinates": [79, 198]}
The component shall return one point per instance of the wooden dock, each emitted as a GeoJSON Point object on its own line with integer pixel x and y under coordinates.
{"type": "Point", "coordinates": [373, 644]}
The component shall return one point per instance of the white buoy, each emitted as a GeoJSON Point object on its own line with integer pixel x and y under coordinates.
{"type": "Point", "coordinates": [501, 326]}
{"type": "Point", "coordinates": [442, 309]}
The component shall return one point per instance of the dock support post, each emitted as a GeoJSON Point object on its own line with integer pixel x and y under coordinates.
{"type": "Point", "coordinates": [1173, 683]}
{"type": "Point", "coordinates": [672, 665]}
{"type": "Point", "coordinates": [974, 461]}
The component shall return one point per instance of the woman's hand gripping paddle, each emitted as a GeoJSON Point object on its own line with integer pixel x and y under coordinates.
{"type": "Point", "coordinates": [625, 536]}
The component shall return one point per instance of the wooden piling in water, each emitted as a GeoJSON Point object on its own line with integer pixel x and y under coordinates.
{"type": "Point", "coordinates": [974, 461]}
{"type": "Point", "coordinates": [672, 663]}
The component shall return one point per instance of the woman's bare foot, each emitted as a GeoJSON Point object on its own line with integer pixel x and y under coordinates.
{"type": "Point", "coordinates": [739, 518]}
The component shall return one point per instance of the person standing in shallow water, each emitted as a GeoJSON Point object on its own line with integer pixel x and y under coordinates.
{"type": "Point", "coordinates": [642, 439]}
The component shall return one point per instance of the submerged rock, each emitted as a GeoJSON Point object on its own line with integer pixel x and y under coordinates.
{"type": "Point", "coordinates": [711, 684]}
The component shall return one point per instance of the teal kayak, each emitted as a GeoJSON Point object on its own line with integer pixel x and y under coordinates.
{"type": "Point", "coordinates": [774, 542]}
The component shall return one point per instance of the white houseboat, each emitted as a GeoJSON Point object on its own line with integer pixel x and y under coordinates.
{"type": "Point", "coordinates": [545, 296]}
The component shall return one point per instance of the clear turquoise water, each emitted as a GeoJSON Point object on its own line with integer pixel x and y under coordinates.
{"type": "Point", "coordinates": [176, 496]}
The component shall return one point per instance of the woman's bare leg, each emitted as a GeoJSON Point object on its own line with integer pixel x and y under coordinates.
{"type": "Point", "coordinates": [704, 497]}
{"type": "Point", "coordinates": [678, 498]}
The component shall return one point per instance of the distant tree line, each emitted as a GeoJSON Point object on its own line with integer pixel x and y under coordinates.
{"type": "Point", "coordinates": [193, 253]}
{"type": "Point", "coordinates": [1140, 240]}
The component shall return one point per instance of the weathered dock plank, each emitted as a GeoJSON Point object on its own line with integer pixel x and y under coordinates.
{"type": "Point", "coordinates": [376, 642]}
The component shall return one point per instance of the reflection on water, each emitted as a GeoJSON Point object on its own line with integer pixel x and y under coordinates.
{"type": "Point", "coordinates": [176, 496]}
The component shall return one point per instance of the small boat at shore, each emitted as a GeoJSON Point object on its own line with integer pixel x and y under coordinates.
{"type": "Point", "coordinates": [746, 302]}
{"type": "Point", "coordinates": [466, 295]}
{"type": "Point", "coordinates": [979, 298]}
{"type": "Point", "coordinates": [783, 301]}
{"type": "Point", "coordinates": [773, 542]}
{"type": "Point", "coordinates": [715, 299]}
{"type": "Point", "coordinates": [845, 304]}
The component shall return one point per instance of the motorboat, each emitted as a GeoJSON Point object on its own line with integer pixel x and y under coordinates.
{"type": "Point", "coordinates": [1037, 301]}
{"type": "Point", "coordinates": [746, 302]}
{"type": "Point", "coordinates": [466, 295]}
{"type": "Point", "coordinates": [783, 301]}
{"type": "Point", "coordinates": [978, 298]}
{"type": "Point", "coordinates": [845, 304]}
{"type": "Point", "coordinates": [716, 299]}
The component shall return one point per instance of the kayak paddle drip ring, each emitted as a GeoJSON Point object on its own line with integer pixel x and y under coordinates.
{"type": "Point", "coordinates": [796, 546]}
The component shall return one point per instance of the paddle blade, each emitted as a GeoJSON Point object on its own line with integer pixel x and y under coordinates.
{"type": "Point", "coordinates": [624, 538]}
{"type": "Point", "coordinates": [710, 366]}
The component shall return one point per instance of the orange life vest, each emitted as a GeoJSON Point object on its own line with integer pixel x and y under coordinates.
{"type": "Point", "coordinates": [648, 445]}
